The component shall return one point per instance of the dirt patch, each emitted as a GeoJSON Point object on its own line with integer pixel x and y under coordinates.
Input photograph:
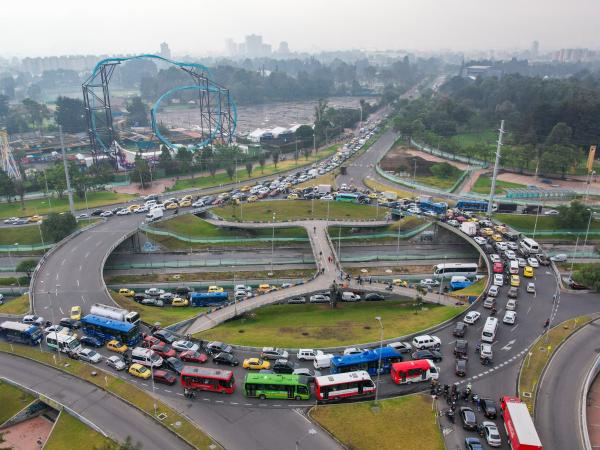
{"type": "Point", "coordinates": [403, 160]}
{"type": "Point", "coordinates": [435, 159]}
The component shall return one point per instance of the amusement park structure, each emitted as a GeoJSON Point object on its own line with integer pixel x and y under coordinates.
{"type": "Point", "coordinates": [218, 112]}
{"type": "Point", "coordinates": [8, 161]}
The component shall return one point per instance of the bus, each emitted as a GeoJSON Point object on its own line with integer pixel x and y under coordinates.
{"type": "Point", "coordinates": [22, 333]}
{"type": "Point", "coordinates": [208, 298]}
{"type": "Point", "coordinates": [346, 197]}
{"type": "Point", "coordinates": [414, 371]}
{"type": "Point", "coordinates": [207, 379]}
{"type": "Point", "coordinates": [276, 386]}
{"type": "Point", "coordinates": [356, 385]}
{"type": "Point", "coordinates": [367, 361]}
{"type": "Point", "coordinates": [449, 270]}
{"type": "Point", "coordinates": [108, 329]}
{"type": "Point", "coordinates": [436, 207]}
{"type": "Point", "coordinates": [63, 343]}
{"type": "Point", "coordinates": [472, 205]}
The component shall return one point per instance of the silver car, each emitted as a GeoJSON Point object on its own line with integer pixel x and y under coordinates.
{"type": "Point", "coordinates": [492, 436]}
{"type": "Point", "coordinates": [116, 362]}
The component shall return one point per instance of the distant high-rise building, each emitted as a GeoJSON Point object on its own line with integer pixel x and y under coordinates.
{"type": "Point", "coordinates": [165, 51]}
{"type": "Point", "coordinates": [231, 48]}
{"type": "Point", "coordinates": [283, 49]}
{"type": "Point", "coordinates": [535, 48]}
{"type": "Point", "coordinates": [254, 45]}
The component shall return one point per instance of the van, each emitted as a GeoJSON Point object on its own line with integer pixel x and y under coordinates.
{"type": "Point", "coordinates": [529, 247]}
{"type": "Point", "coordinates": [425, 342]}
{"type": "Point", "coordinates": [350, 297]}
{"type": "Point", "coordinates": [514, 267]}
{"type": "Point", "coordinates": [322, 361]}
{"type": "Point", "coordinates": [146, 357]}
{"type": "Point", "coordinates": [63, 343]}
{"type": "Point", "coordinates": [489, 330]}
{"type": "Point", "coordinates": [307, 354]}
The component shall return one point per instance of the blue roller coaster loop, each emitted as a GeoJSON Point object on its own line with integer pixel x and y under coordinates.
{"type": "Point", "coordinates": [129, 58]}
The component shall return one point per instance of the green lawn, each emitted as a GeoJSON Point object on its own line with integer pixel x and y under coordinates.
{"type": "Point", "coordinates": [405, 225]}
{"type": "Point", "coordinates": [71, 433]}
{"type": "Point", "coordinates": [483, 185]}
{"type": "Point", "coordinates": [317, 325]}
{"type": "Point", "coordinates": [301, 210]}
{"type": "Point", "coordinates": [242, 174]}
{"type": "Point", "coordinates": [167, 315]}
{"type": "Point", "coordinates": [18, 305]}
{"type": "Point", "coordinates": [13, 401]}
{"type": "Point", "coordinates": [474, 290]}
{"type": "Point", "coordinates": [30, 234]}
{"type": "Point", "coordinates": [526, 222]}
{"type": "Point", "coordinates": [400, 423]}
{"type": "Point", "coordinates": [440, 183]}
{"type": "Point", "coordinates": [41, 206]}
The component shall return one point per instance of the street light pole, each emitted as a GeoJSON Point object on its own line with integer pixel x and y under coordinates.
{"type": "Point", "coordinates": [587, 189]}
{"type": "Point", "coordinates": [398, 243]}
{"type": "Point", "coordinates": [272, 245]}
{"type": "Point", "coordinates": [588, 227]}
{"type": "Point", "coordinates": [378, 319]}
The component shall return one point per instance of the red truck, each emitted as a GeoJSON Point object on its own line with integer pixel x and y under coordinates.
{"type": "Point", "coordinates": [519, 425]}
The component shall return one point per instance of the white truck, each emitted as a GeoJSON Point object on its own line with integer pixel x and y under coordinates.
{"type": "Point", "coordinates": [323, 189]}
{"type": "Point", "coordinates": [389, 196]}
{"type": "Point", "coordinates": [114, 313]}
{"type": "Point", "coordinates": [155, 214]}
{"type": "Point", "coordinates": [469, 228]}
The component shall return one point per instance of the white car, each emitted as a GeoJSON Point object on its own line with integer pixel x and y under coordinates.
{"type": "Point", "coordinates": [11, 220]}
{"type": "Point", "coordinates": [512, 245]}
{"type": "Point", "coordinates": [472, 317]}
{"type": "Point", "coordinates": [123, 212]}
{"type": "Point", "coordinates": [531, 288]}
{"type": "Point", "coordinates": [116, 362]}
{"type": "Point", "coordinates": [522, 262]}
{"type": "Point", "coordinates": [82, 216]}
{"type": "Point", "coordinates": [509, 317]}
{"type": "Point", "coordinates": [561, 257]}
{"type": "Point", "coordinates": [493, 291]}
{"type": "Point", "coordinates": [106, 214]}
{"type": "Point", "coordinates": [353, 351]}
{"type": "Point", "coordinates": [551, 212]}
{"type": "Point", "coordinates": [503, 246]}
{"type": "Point", "coordinates": [319, 298]}
{"type": "Point", "coordinates": [498, 279]}
{"type": "Point", "coordinates": [413, 210]}
{"type": "Point", "coordinates": [495, 258]}
{"type": "Point", "coordinates": [454, 223]}
{"type": "Point", "coordinates": [480, 240]}
{"type": "Point", "coordinates": [58, 329]}
{"type": "Point", "coordinates": [154, 292]}
{"type": "Point", "coordinates": [183, 346]}
{"type": "Point", "coordinates": [510, 254]}
{"type": "Point", "coordinates": [401, 347]}
{"type": "Point", "coordinates": [511, 305]}
{"type": "Point", "coordinates": [326, 197]}
{"type": "Point", "coordinates": [533, 262]}
{"type": "Point", "coordinates": [486, 351]}
{"type": "Point", "coordinates": [89, 355]}
{"type": "Point", "coordinates": [492, 436]}
{"type": "Point", "coordinates": [198, 204]}
{"type": "Point", "coordinates": [429, 282]}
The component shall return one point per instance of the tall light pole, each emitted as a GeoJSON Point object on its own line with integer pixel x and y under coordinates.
{"type": "Point", "coordinates": [537, 214]}
{"type": "Point", "coordinates": [17, 275]}
{"type": "Point", "coordinates": [272, 246]}
{"type": "Point", "coordinates": [378, 319]}
{"type": "Point", "coordinates": [496, 164]}
{"type": "Point", "coordinates": [64, 158]}
{"type": "Point", "coordinates": [398, 243]}
{"type": "Point", "coordinates": [587, 189]}
{"type": "Point", "coordinates": [588, 226]}
{"type": "Point", "coordinates": [573, 258]}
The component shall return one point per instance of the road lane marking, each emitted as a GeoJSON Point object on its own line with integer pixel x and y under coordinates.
{"type": "Point", "coordinates": [83, 299]}
{"type": "Point", "coordinates": [63, 262]}
{"type": "Point", "coordinates": [61, 310]}
{"type": "Point", "coordinates": [77, 282]}
{"type": "Point", "coordinates": [514, 328]}
{"type": "Point", "coordinates": [80, 268]}
{"type": "Point", "coordinates": [509, 345]}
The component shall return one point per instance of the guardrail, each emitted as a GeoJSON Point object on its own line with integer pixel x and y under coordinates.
{"type": "Point", "coordinates": [591, 377]}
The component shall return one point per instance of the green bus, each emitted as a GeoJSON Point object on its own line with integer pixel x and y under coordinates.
{"type": "Point", "coordinates": [276, 386]}
{"type": "Point", "coordinates": [347, 197]}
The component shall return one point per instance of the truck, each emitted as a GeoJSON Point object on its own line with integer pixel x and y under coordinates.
{"type": "Point", "coordinates": [469, 228]}
{"type": "Point", "coordinates": [114, 313]}
{"type": "Point", "coordinates": [518, 424]}
{"type": "Point", "coordinates": [323, 189]}
{"type": "Point", "coordinates": [155, 214]}
{"type": "Point", "coordinates": [506, 208]}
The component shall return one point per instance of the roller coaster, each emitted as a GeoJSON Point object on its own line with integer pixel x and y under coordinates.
{"type": "Point", "coordinates": [218, 113]}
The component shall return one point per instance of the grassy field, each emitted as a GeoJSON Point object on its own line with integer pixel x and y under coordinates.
{"type": "Point", "coordinates": [167, 315]}
{"type": "Point", "coordinates": [13, 401]}
{"type": "Point", "coordinates": [438, 182]}
{"type": "Point", "coordinates": [405, 422]}
{"type": "Point", "coordinates": [317, 325]}
{"type": "Point", "coordinates": [405, 225]}
{"type": "Point", "coordinates": [41, 206]}
{"type": "Point", "coordinates": [526, 222]}
{"type": "Point", "coordinates": [242, 174]}
{"type": "Point", "coordinates": [71, 433]}
{"type": "Point", "coordinates": [483, 185]}
{"type": "Point", "coordinates": [30, 234]}
{"type": "Point", "coordinates": [541, 352]}
{"type": "Point", "coordinates": [18, 305]}
{"type": "Point", "coordinates": [301, 210]}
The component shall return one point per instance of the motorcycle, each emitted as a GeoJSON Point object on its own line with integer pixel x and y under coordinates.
{"type": "Point", "coordinates": [450, 415]}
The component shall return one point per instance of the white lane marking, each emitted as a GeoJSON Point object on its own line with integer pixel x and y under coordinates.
{"type": "Point", "coordinates": [83, 299]}
{"type": "Point", "coordinates": [57, 276]}
{"type": "Point", "coordinates": [166, 390]}
{"type": "Point", "coordinates": [63, 262]}
{"type": "Point", "coordinates": [80, 268]}
{"type": "Point", "coordinates": [514, 328]}
{"type": "Point", "coordinates": [61, 310]}
{"type": "Point", "coordinates": [77, 283]}
{"type": "Point", "coordinates": [509, 345]}
{"type": "Point", "coordinates": [528, 310]}
{"type": "Point", "coordinates": [178, 393]}
{"type": "Point", "coordinates": [87, 254]}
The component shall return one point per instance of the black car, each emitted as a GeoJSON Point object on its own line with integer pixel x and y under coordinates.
{"type": "Point", "coordinates": [139, 297]}
{"type": "Point", "coordinates": [472, 443]}
{"type": "Point", "coordinates": [165, 336]}
{"type": "Point", "coordinates": [182, 291]}
{"type": "Point", "coordinates": [468, 418]}
{"type": "Point", "coordinates": [459, 329]}
{"type": "Point", "coordinates": [174, 364]}
{"type": "Point", "coordinates": [96, 212]}
{"type": "Point", "coordinates": [488, 406]}
{"type": "Point", "coordinates": [226, 358]}
{"type": "Point", "coordinates": [70, 323]}
{"type": "Point", "coordinates": [282, 366]}
{"type": "Point", "coordinates": [434, 355]}
{"type": "Point", "coordinates": [212, 348]}
{"type": "Point", "coordinates": [461, 348]}
{"type": "Point", "coordinates": [90, 341]}
{"type": "Point", "coordinates": [460, 368]}
{"type": "Point", "coordinates": [374, 297]}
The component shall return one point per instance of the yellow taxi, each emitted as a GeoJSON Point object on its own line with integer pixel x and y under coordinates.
{"type": "Point", "coordinates": [515, 280]}
{"type": "Point", "coordinates": [172, 205]}
{"type": "Point", "coordinates": [245, 188]}
{"type": "Point", "coordinates": [264, 288]}
{"type": "Point", "coordinates": [126, 292]}
{"type": "Point", "coordinates": [137, 370]}
{"type": "Point", "coordinates": [255, 364]}
{"type": "Point", "coordinates": [133, 208]}
{"type": "Point", "coordinates": [116, 346]}
{"type": "Point", "coordinates": [500, 228]}
{"type": "Point", "coordinates": [186, 198]}
{"type": "Point", "coordinates": [185, 204]}
{"type": "Point", "coordinates": [487, 231]}
{"type": "Point", "coordinates": [497, 237]}
{"type": "Point", "coordinates": [212, 289]}
{"type": "Point", "coordinates": [252, 199]}
{"type": "Point", "coordinates": [399, 282]}
{"type": "Point", "coordinates": [34, 218]}
{"type": "Point", "coordinates": [178, 301]}
{"type": "Point", "coordinates": [528, 272]}
{"type": "Point", "coordinates": [293, 197]}
{"type": "Point", "coordinates": [372, 195]}
{"type": "Point", "coordinates": [76, 313]}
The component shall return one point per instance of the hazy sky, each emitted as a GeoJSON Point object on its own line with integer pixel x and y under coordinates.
{"type": "Point", "coordinates": [53, 27]}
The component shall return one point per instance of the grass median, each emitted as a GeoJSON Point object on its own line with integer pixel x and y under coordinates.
{"type": "Point", "coordinates": [18, 305]}
{"type": "Point", "coordinates": [406, 422]}
{"type": "Point", "coordinates": [70, 432]}
{"type": "Point", "coordinates": [136, 396]}
{"type": "Point", "coordinates": [483, 185]}
{"type": "Point", "coordinates": [13, 400]}
{"type": "Point", "coordinates": [525, 223]}
{"type": "Point", "coordinates": [317, 325]}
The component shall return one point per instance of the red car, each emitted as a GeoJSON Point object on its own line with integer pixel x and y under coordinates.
{"type": "Point", "coordinates": [150, 341]}
{"type": "Point", "coordinates": [163, 350]}
{"type": "Point", "coordinates": [162, 376]}
{"type": "Point", "coordinates": [190, 356]}
{"type": "Point", "coordinates": [498, 267]}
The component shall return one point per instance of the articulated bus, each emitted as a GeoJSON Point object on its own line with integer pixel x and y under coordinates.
{"type": "Point", "coordinates": [450, 270]}
{"type": "Point", "coordinates": [207, 379]}
{"type": "Point", "coordinates": [407, 372]}
{"type": "Point", "coordinates": [109, 329]}
{"type": "Point", "coordinates": [367, 361]}
{"type": "Point", "coordinates": [356, 385]}
{"type": "Point", "coordinates": [20, 332]}
{"type": "Point", "coordinates": [276, 386]}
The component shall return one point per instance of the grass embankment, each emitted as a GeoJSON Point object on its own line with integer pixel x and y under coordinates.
{"type": "Point", "coordinates": [474, 290]}
{"type": "Point", "coordinates": [301, 210]}
{"type": "Point", "coordinates": [30, 234]}
{"type": "Point", "coordinates": [483, 185]}
{"type": "Point", "coordinates": [443, 183]}
{"type": "Point", "coordinates": [72, 433]}
{"type": "Point", "coordinates": [541, 353]}
{"type": "Point", "coordinates": [13, 401]}
{"type": "Point", "coordinates": [317, 325]}
{"type": "Point", "coordinates": [42, 206]}
{"type": "Point", "coordinates": [166, 316]}
{"type": "Point", "coordinates": [242, 175]}
{"type": "Point", "coordinates": [525, 223]}
{"type": "Point", "coordinates": [119, 387]}
{"type": "Point", "coordinates": [240, 276]}
{"type": "Point", "coordinates": [404, 422]}
{"type": "Point", "coordinates": [18, 305]}
{"type": "Point", "coordinates": [405, 225]}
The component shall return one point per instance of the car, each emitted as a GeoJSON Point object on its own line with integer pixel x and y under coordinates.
{"type": "Point", "coordinates": [510, 254]}
{"type": "Point", "coordinates": [543, 260]}
{"type": "Point", "coordinates": [515, 280]}
{"type": "Point", "coordinates": [164, 377]}
{"type": "Point", "coordinates": [551, 212]}
{"type": "Point", "coordinates": [497, 237]}
{"type": "Point", "coordinates": [34, 219]}
{"type": "Point", "coordinates": [163, 350]}
{"type": "Point", "coordinates": [434, 355]}
{"type": "Point", "coordinates": [35, 320]}
{"type": "Point", "coordinates": [213, 289]}
{"type": "Point", "coordinates": [166, 297]}
{"type": "Point", "coordinates": [498, 267]}
{"type": "Point", "coordinates": [471, 317]}
{"type": "Point", "coordinates": [493, 291]}
{"type": "Point", "coordinates": [116, 362]}
{"type": "Point", "coordinates": [106, 214]}
{"type": "Point", "coordinates": [513, 292]}
{"type": "Point", "coordinates": [273, 353]}
{"type": "Point", "coordinates": [399, 282]}
{"type": "Point", "coordinates": [215, 347]}
{"type": "Point", "coordinates": [255, 364]}
{"type": "Point", "coordinates": [485, 351]}
{"type": "Point", "coordinates": [58, 329]}
{"type": "Point", "coordinates": [139, 371]}
{"type": "Point", "coordinates": [531, 288]}
{"type": "Point", "coordinates": [480, 240]}
{"type": "Point", "coordinates": [512, 246]}
{"type": "Point", "coordinates": [461, 348]}
{"type": "Point", "coordinates": [296, 300]}
{"type": "Point", "coordinates": [561, 257]}
{"type": "Point", "coordinates": [123, 212]}
{"type": "Point", "coordinates": [488, 406]}
{"type": "Point", "coordinates": [472, 443]}
{"type": "Point", "coordinates": [303, 371]}
{"type": "Point", "coordinates": [126, 292]}
{"type": "Point", "coordinates": [328, 197]}
{"type": "Point", "coordinates": [225, 358]}
{"type": "Point", "coordinates": [195, 357]}
{"type": "Point", "coordinates": [374, 297]}
{"type": "Point", "coordinates": [89, 355]}
{"type": "Point", "coordinates": [533, 262]}
{"type": "Point", "coordinates": [116, 346]}
{"type": "Point", "coordinates": [183, 345]}
{"type": "Point", "coordinates": [528, 272]}
{"type": "Point", "coordinates": [426, 341]}
{"type": "Point", "coordinates": [469, 420]}
{"type": "Point", "coordinates": [282, 366]}
{"type": "Point", "coordinates": [501, 246]}
{"type": "Point", "coordinates": [460, 328]}
{"type": "Point", "coordinates": [319, 298]}
{"type": "Point", "coordinates": [494, 257]}
{"type": "Point", "coordinates": [11, 220]}
{"type": "Point", "coordinates": [178, 301]}
{"type": "Point", "coordinates": [522, 262]}
{"type": "Point", "coordinates": [76, 312]}
{"type": "Point", "coordinates": [429, 282]}
{"type": "Point", "coordinates": [487, 231]}
{"type": "Point", "coordinates": [154, 292]}
{"type": "Point", "coordinates": [498, 279]}
{"type": "Point", "coordinates": [70, 323]}
{"type": "Point", "coordinates": [90, 341]}
{"type": "Point", "coordinates": [353, 351]}
{"type": "Point", "coordinates": [460, 367]}
{"type": "Point", "coordinates": [401, 347]}
{"type": "Point", "coordinates": [510, 317]}
{"type": "Point", "coordinates": [511, 305]}
{"type": "Point", "coordinates": [82, 216]}
{"type": "Point", "coordinates": [492, 436]}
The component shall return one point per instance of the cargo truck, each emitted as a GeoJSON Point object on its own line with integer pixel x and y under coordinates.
{"type": "Point", "coordinates": [114, 313]}
{"type": "Point", "coordinates": [518, 424]}
{"type": "Point", "coordinates": [469, 228]}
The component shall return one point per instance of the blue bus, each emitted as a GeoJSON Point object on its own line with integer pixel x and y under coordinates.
{"type": "Point", "coordinates": [20, 332]}
{"type": "Point", "coordinates": [436, 207]}
{"type": "Point", "coordinates": [472, 205]}
{"type": "Point", "coordinates": [208, 298]}
{"type": "Point", "coordinates": [346, 197]}
{"type": "Point", "coordinates": [367, 360]}
{"type": "Point", "coordinates": [109, 329]}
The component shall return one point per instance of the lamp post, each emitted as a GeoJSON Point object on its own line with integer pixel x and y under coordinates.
{"type": "Point", "coordinates": [398, 243]}
{"type": "Point", "coordinates": [537, 214]}
{"type": "Point", "coordinates": [378, 319]}
{"type": "Point", "coordinates": [588, 227]}
{"type": "Point", "coordinates": [234, 296]}
{"type": "Point", "coordinates": [587, 189]}
{"type": "Point", "coordinates": [272, 246]}
{"type": "Point", "coordinates": [10, 261]}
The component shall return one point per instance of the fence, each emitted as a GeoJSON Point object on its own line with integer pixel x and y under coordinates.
{"type": "Point", "coordinates": [222, 240]}
{"type": "Point", "coordinates": [446, 155]}
{"type": "Point", "coordinates": [209, 263]}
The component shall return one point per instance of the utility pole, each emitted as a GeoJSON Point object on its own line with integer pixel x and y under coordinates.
{"type": "Point", "coordinates": [498, 151]}
{"type": "Point", "coordinates": [69, 191]}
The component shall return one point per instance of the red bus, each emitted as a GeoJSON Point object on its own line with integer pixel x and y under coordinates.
{"type": "Point", "coordinates": [207, 379]}
{"type": "Point", "coordinates": [407, 372]}
{"type": "Point", "coordinates": [519, 425]}
{"type": "Point", "coordinates": [344, 386]}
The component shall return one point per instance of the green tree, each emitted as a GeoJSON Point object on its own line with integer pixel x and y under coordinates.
{"type": "Point", "coordinates": [141, 171]}
{"type": "Point", "coordinates": [27, 266]}
{"type": "Point", "coordinates": [443, 170]}
{"type": "Point", "coordinates": [230, 169]}
{"type": "Point", "coordinates": [249, 167]}
{"type": "Point", "coordinates": [58, 226]}
{"type": "Point", "coordinates": [574, 217]}
{"type": "Point", "coordinates": [262, 160]}
{"type": "Point", "coordinates": [36, 112]}
{"type": "Point", "coordinates": [138, 112]}
{"type": "Point", "coordinates": [70, 114]}
{"type": "Point", "coordinates": [275, 157]}
{"type": "Point", "coordinates": [185, 160]}
{"type": "Point", "coordinates": [7, 186]}
{"type": "Point", "coordinates": [165, 161]}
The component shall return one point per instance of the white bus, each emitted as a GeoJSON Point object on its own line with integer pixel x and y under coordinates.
{"type": "Point", "coordinates": [449, 270]}
{"type": "Point", "coordinates": [489, 330]}
{"type": "Point", "coordinates": [63, 342]}
{"type": "Point", "coordinates": [529, 246]}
